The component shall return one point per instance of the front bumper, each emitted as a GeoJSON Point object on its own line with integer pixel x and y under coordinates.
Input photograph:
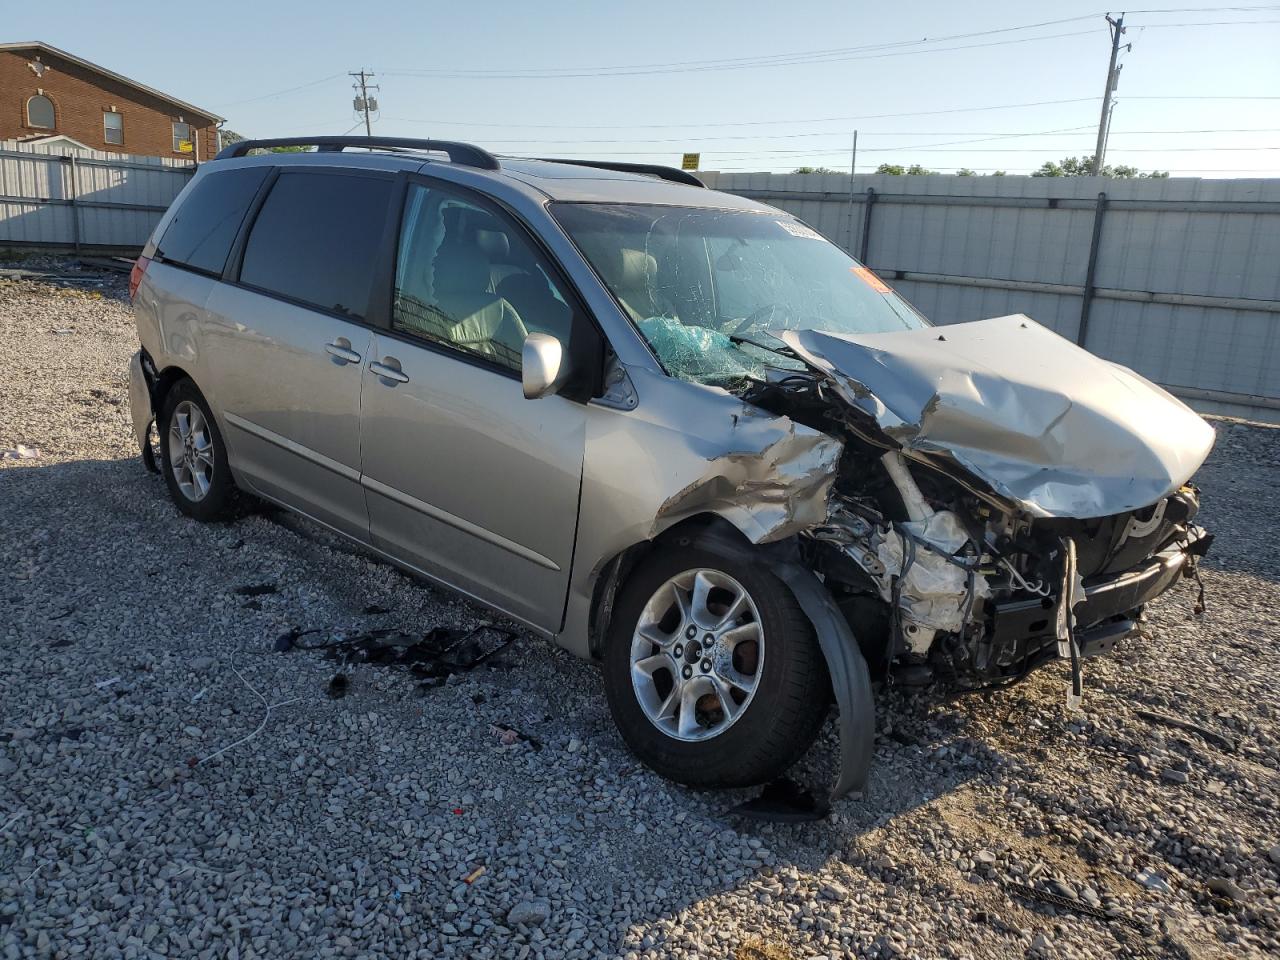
{"type": "Point", "coordinates": [1023, 630]}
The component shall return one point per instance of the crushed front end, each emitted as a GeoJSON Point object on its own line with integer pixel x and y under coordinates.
{"type": "Point", "coordinates": [986, 519]}
{"type": "Point", "coordinates": [939, 582]}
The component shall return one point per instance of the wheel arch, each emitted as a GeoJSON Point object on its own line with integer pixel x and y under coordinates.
{"type": "Point", "coordinates": [850, 678]}
{"type": "Point", "coordinates": [614, 572]}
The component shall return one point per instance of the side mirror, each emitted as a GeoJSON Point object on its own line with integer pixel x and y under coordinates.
{"type": "Point", "coordinates": [542, 367]}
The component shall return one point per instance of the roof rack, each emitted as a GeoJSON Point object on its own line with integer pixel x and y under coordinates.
{"type": "Point", "coordinates": [463, 153]}
{"type": "Point", "coordinates": [652, 169]}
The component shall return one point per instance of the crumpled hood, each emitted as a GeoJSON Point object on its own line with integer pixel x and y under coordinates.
{"type": "Point", "coordinates": [1042, 421]}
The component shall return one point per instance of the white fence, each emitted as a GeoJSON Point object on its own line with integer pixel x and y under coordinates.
{"type": "Point", "coordinates": [1178, 278]}
{"type": "Point", "coordinates": [60, 196]}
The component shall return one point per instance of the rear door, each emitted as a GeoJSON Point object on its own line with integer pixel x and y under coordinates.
{"type": "Point", "coordinates": [465, 479]}
{"type": "Point", "coordinates": [288, 337]}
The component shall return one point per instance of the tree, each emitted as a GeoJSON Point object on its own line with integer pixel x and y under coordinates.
{"type": "Point", "coordinates": [814, 170]}
{"type": "Point", "coordinates": [230, 136]}
{"type": "Point", "coordinates": [999, 173]}
{"type": "Point", "coordinates": [898, 170]}
{"type": "Point", "coordinates": [1083, 167]}
{"type": "Point", "coordinates": [966, 172]}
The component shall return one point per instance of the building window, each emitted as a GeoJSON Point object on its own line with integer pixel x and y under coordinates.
{"type": "Point", "coordinates": [112, 127]}
{"type": "Point", "coordinates": [40, 112]}
{"type": "Point", "coordinates": [182, 138]}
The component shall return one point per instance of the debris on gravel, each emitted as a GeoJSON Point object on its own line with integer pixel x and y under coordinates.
{"type": "Point", "coordinates": [171, 783]}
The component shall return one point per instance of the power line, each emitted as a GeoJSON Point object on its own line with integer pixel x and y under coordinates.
{"type": "Point", "coordinates": [1204, 23]}
{"type": "Point", "coordinates": [757, 123]}
{"type": "Point", "coordinates": [1265, 6]}
{"type": "Point", "coordinates": [281, 93]}
{"type": "Point", "coordinates": [1221, 97]}
{"type": "Point", "coordinates": [746, 123]}
{"type": "Point", "coordinates": [747, 61]}
{"type": "Point", "coordinates": [647, 71]}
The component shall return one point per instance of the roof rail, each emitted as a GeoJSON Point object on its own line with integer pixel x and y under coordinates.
{"type": "Point", "coordinates": [652, 169]}
{"type": "Point", "coordinates": [463, 153]}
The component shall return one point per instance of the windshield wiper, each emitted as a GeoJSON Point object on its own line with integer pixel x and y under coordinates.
{"type": "Point", "coordinates": [781, 350]}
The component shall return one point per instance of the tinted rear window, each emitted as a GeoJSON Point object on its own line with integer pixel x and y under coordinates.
{"type": "Point", "coordinates": [203, 228]}
{"type": "Point", "coordinates": [317, 238]}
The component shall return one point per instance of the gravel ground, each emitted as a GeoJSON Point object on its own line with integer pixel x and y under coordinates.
{"type": "Point", "coordinates": [995, 826]}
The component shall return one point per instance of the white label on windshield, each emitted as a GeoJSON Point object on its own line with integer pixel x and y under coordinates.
{"type": "Point", "coordinates": [798, 230]}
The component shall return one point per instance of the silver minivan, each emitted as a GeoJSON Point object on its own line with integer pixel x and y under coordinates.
{"type": "Point", "coordinates": [676, 431]}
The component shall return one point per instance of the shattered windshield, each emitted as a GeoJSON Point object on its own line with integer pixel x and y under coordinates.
{"type": "Point", "coordinates": [710, 289]}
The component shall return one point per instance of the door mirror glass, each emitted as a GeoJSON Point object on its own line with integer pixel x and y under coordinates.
{"type": "Point", "coordinates": [542, 367]}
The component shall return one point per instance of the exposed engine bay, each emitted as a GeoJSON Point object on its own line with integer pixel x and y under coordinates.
{"type": "Point", "coordinates": [940, 571]}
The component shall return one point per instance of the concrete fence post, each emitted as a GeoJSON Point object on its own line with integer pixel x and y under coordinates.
{"type": "Point", "coordinates": [866, 225]}
{"type": "Point", "coordinates": [1086, 298]}
{"type": "Point", "coordinates": [73, 194]}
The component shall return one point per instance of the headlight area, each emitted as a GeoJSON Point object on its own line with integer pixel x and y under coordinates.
{"type": "Point", "coordinates": [939, 583]}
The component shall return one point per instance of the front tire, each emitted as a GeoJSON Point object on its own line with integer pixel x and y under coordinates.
{"type": "Point", "coordinates": [193, 456]}
{"type": "Point", "coordinates": [713, 673]}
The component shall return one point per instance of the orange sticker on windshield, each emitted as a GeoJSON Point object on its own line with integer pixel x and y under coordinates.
{"type": "Point", "coordinates": [868, 276]}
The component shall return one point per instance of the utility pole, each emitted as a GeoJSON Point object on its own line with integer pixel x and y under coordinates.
{"type": "Point", "coordinates": [1117, 28]}
{"type": "Point", "coordinates": [364, 103]}
{"type": "Point", "coordinates": [853, 170]}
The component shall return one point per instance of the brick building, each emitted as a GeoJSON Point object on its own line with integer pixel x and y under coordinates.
{"type": "Point", "coordinates": [47, 92]}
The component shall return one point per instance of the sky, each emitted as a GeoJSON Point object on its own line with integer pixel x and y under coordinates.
{"type": "Point", "coordinates": [748, 85]}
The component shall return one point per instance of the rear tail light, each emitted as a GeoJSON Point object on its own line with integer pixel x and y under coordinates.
{"type": "Point", "coordinates": [135, 275]}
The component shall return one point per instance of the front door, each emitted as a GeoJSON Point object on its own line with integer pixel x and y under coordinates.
{"type": "Point", "coordinates": [464, 478]}
{"type": "Point", "coordinates": [286, 344]}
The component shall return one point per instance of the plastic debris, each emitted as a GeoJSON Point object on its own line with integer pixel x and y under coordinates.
{"type": "Point", "coordinates": [783, 801]}
{"type": "Point", "coordinates": [509, 736]}
{"type": "Point", "coordinates": [20, 452]}
{"type": "Point", "coordinates": [103, 684]}
{"type": "Point", "coordinates": [338, 686]}
{"type": "Point", "coordinates": [257, 589]}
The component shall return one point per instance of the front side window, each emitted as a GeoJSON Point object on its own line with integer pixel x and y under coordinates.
{"type": "Point", "coordinates": [316, 240]}
{"type": "Point", "coordinates": [40, 112]}
{"type": "Point", "coordinates": [112, 127]}
{"type": "Point", "coordinates": [469, 279]}
{"type": "Point", "coordinates": [702, 284]}
{"type": "Point", "coordinates": [182, 138]}
{"type": "Point", "coordinates": [202, 229]}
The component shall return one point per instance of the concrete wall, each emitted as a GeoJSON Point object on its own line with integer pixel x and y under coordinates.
{"type": "Point", "coordinates": [60, 196]}
{"type": "Point", "coordinates": [1186, 281]}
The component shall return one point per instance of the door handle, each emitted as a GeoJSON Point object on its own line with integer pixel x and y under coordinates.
{"type": "Point", "coordinates": [388, 372]}
{"type": "Point", "coordinates": [341, 351]}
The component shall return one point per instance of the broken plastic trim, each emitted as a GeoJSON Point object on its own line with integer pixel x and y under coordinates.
{"type": "Point", "coordinates": [433, 656]}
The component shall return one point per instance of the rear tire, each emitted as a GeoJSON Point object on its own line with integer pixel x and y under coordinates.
{"type": "Point", "coordinates": [726, 687]}
{"type": "Point", "coordinates": [193, 458]}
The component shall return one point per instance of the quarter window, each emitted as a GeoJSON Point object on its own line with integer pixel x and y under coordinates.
{"type": "Point", "coordinates": [205, 224]}
{"type": "Point", "coordinates": [181, 135]}
{"type": "Point", "coordinates": [112, 127]}
{"type": "Point", "coordinates": [317, 238]}
{"type": "Point", "coordinates": [40, 112]}
{"type": "Point", "coordinates": [469, 279]}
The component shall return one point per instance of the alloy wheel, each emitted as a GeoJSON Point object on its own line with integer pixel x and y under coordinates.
{"type": "Point", "coordinates": [191, 454]}
{"type": "Point", "coordinates": [697, 654]}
